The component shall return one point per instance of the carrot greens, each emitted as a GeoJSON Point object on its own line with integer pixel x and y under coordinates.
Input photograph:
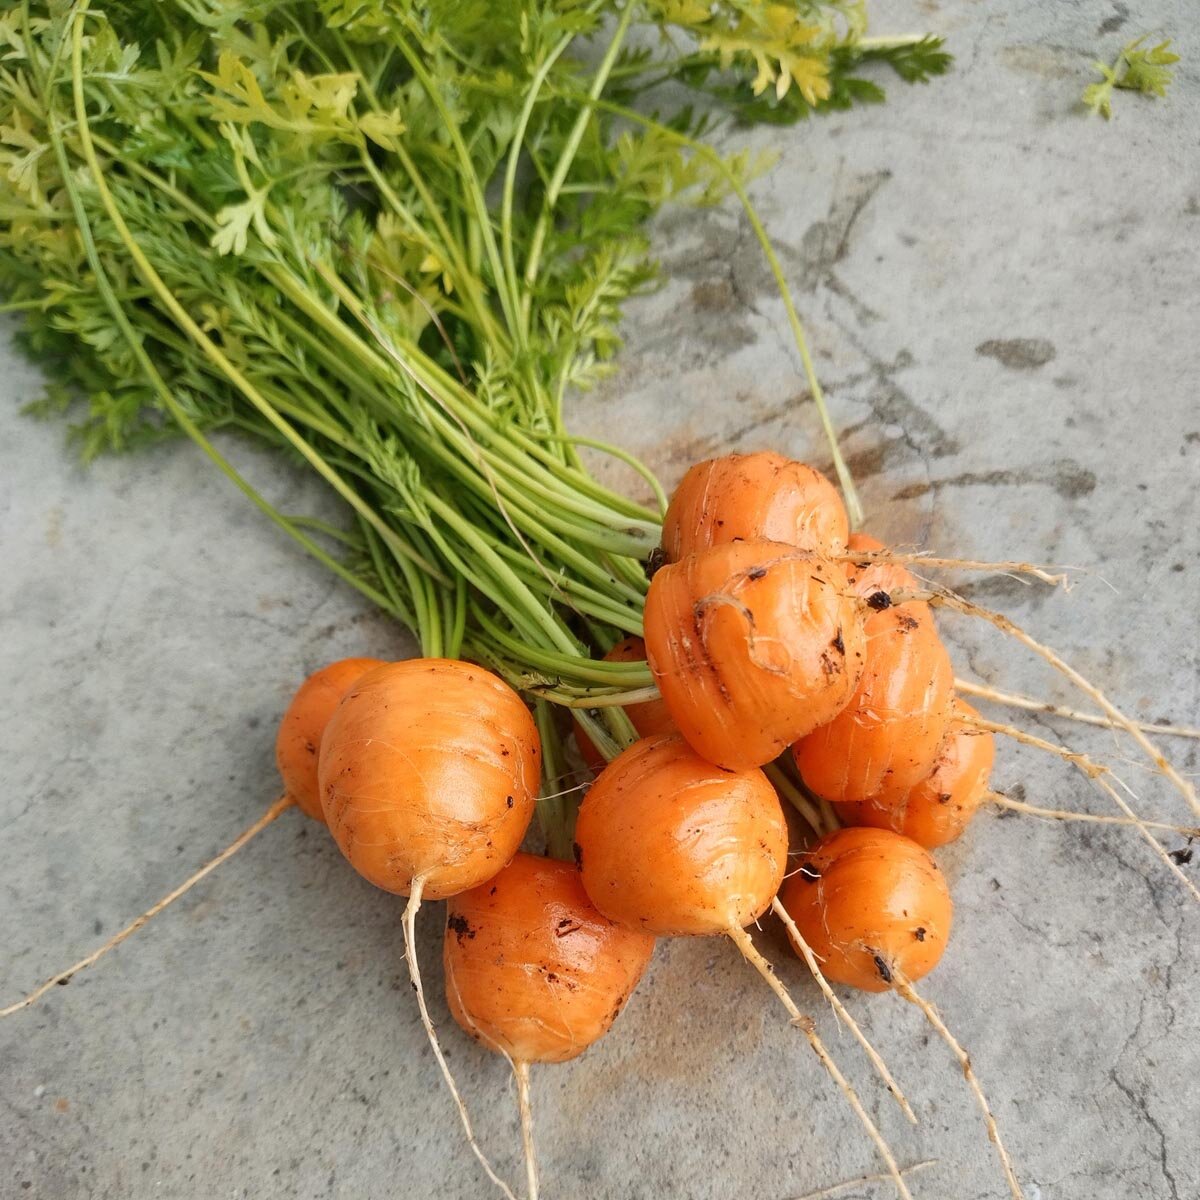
{"type": "Point", "coordinates": [1138, 68]}
{"type": "Point", "coordinates": [390, 239]}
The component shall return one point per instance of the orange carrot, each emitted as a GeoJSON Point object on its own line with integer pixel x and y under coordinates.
{"type": "Point", "coordinates": [753, 645]}
{"type": "Point", "coordinates": [535, 973]}
{"type": "Point", "coordinates": [670, 844]}
{"type": "Point", "coordinates": [872, 906]}
{"type": "Point", "coordinates": [428, 771]}
{"type": "Point", "coordinates": [940, 807]}
{"type": "Point", "coordinates": [533, 970]}
{"type": "Point", "coordinates": [887, 738]}
{"type": "Point", "coordinates": [754, 497]}
{"type": "Point", "coordinates": [303, 725]}
{"type": "Point", "coordinates": [649, 717]}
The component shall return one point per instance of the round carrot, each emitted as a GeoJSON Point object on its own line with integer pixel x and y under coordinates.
{"type": "Point", "coordinates": [940, 807]}
{"type": "Point", "coordinates": [649, 718]}
{"type": "Point", "coordinates": [533, 970]}
{"type": "Point", "coordinates": [872, 906]}
{"type": "Point", "coordinates": [669, 844]}
{"type": "Point", "coordinates": [870, 575]}
{"type": "Point", "coordinates": [428, 771]}
{"type": "Point", "coordinates": [299, 738]}
{"type": "Point", "coordinates": [753, 645]}
{"type": "Point", "coordinates": [535, 973]}
{"type": "Point", "coordinates": [754, 497]}
{"type": "Point", "coordinates": [886, 739]}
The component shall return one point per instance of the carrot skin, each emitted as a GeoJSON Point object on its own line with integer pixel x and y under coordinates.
{"type": "Point", "coordinates": [429, 769]}
{"type": "Point", "coordinates": [754, 497]}
{"type": "Point", "coordinates": [672, 845]}
{"type": "Point", "coordinates": [753, 645]}
{"type": "Point", "coordinates": [872, 905]}
{"type": "Point", "coordinates": [533, 970]}
{"type": "Point", "coordinates": [940, 807]}
{"type": "Point", "coordinates": [298, 742]}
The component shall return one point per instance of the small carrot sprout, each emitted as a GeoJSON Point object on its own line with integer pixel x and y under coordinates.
{"type": "Point", "coordinates": [1137, 68]}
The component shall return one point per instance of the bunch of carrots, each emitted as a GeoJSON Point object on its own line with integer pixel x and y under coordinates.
{"type": "Point", "coordinates": [363, 232]}
{"type": "Point", "coordinates": [784, 660]}
{"type": "Point", "coordinates": [790, 658]}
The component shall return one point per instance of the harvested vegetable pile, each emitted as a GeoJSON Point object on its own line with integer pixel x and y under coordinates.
{"type": "Point", "coordinates": [391, 240]}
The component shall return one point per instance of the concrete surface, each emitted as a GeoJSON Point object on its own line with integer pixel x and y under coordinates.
{"type": "Point", "coordinates": [1004, 299]}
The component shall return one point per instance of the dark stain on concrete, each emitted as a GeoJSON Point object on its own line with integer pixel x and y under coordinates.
{"type": "Point", "coordinates": [867, 462]}
{"type": "Point", "coordinates": [1113, 23]}
{"type": "Point", "coordinates": [1018, 354]}
{"type": "Point", "coordinates": [763, 417]}
{"type": "Point", "coordinates": [1067, 477]}
{"type": "Point", "coordinates": [871, 461]}
{"type": "Point", "coordinates": [827, 242]}
{"type": "Point", "coordinates": [713, 295]}
{"type": "Point", "coordinates": [685, 447]}
{"type": "Point", "coordinates": [890, 404]}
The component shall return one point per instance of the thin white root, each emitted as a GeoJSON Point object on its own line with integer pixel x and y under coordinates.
{"type": "Point", "coordinates": [920, 558]}
{"type": "Point", "coordinates": [1099, 776]}
{"type": "Point", "coordinates": [968, 688]}
{"type": "Point", "coordinates": [1150, 839]}
{"type": "Point", "coordinates": [745, 944]}
{"type": "Point", "coordinates": [1091, 768]}
{"type": "Point", "coordinates": [838, 1188]}
{"type": "Point", "coordinates": [1058, 814]}
{"type": "Point", "coordinates": [276, 809]}
{"type": "Point", "coordinates": [948, 599]}
{"type": "Point", "coordinates": [906, 989]}
{"type": "Point", "coordinates": [881, 1068]}
{"type": "Point", "coordinates": [521, 1071]}
{"type": "Point", "coordinates": [410, 956]}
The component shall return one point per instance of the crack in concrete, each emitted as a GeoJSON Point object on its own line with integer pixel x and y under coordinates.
{"type": "Point", "coordinates": [1140, 1103]}
{"type": "Point", "coordinates": [1040, 934]}
{"type": "Point", "coordinates": [827, 242]}
{"type": "Point", "coordinates": [1139, 1100]}
{"type": "Point", "coordinates": [892, 405]}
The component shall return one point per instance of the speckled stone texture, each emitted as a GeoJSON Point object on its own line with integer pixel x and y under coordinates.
{"type": "Point", "coordinates": [1004, 299]}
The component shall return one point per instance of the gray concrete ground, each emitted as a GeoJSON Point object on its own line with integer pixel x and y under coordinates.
{"type": "Point", "coordinates": [1003, 297]}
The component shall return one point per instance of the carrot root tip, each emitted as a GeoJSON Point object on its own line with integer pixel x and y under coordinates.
{"type": "Point", "coordinates": [408, 925]}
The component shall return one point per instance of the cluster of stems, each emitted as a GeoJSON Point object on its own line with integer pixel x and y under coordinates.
{"type": "Point", "coordinates": [474, 519]}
